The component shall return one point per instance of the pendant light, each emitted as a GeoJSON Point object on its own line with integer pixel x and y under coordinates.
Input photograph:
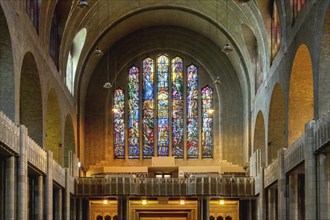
{"type": "Point", "coordinates": [227, 48]}
{"type": "Point", "coordinates": [98, 51]}
{"type": "Point", "coordinates": [83, 4]}
{"type": "Point", "coordinates": [107, 84]}
{"type": "Point", "coordinates": [217, 81]}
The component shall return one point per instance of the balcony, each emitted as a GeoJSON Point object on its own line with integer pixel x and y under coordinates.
{"type": "Point", "coordinates": [322, 132]}
{"type": "Point", "coordinates": [9, 134]}
{"type": "Point", "coordinates": [294, 154]}
{"type": "Point", "coordinates": [225, 186]}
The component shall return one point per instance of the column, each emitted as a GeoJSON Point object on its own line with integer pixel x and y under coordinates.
{"type": "Point", "coordinates": [204, 208]}
{"type": "Point", "coordinates": [59, 204]}
{"type": "Point", "coordinates": [310, 172]}
{"type": "Point", "coordinates": [10, 189]}
{"type": "Point", "coordinates": [261, 201]}
{"type": "Point", "coordinates": [80, 207]}
{"type": "Point", "coordinates": [73, 208]}
{"type": "Point", "coordinates": [66, 205]}
{"type": "Point", "coordinates": [324, 180]}
{"type": "Point", "coordinates": [281, 184]}
{"type": "Point", "coordinates": [22, 177]}
{"type": "Point", "coordinates": [49, 187]}
{"type": "Point", "coordinates": [272, 209]}
{"type": "Point", "coordinates": [122, 208]}
{"type": "Point", "coordinates": [39, 212]}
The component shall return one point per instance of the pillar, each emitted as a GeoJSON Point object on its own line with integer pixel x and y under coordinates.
{"type": "Point", "coordinates": [204, 206]}
{"type": "Point", "coordinates": [281, 184]}
{"type": "Point", "coordinates": [261, 201]}
{"type": "Point", "coordinates": [272, 204]}
{"type": "Point", "coordinates": [122, 208]}
{"type": "Point", "coordinates": [59, 204]}
{"type": "Point", "coordinates": [49, 187]}
{"type": "Point", "coordinates": [324, 186]}
{"type": "Point", "coordinates": [39, 212]}
{"type": "Point", "coordinates": [80, 209]}
{"type": "Point", "coordinates": [73, 208]}
{"type": "Point", "coordinates": [66, 205]}
{"type": "Point", "coordinates": [22, 177]}
{"type": "Point", "coordinates": [310, 172]}
{"type": "Point", "coordinates": [293, 197]}
{"type": "Point", "coordinates": [10, 189]}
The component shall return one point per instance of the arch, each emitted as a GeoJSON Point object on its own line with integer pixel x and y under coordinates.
{"type": "Point", "coordinates": [108, 217]}
{"type": "Point", "coordinates": [259, 137]}
{"type": "Point", "coordinates": [115, 217]}
{"type": "Point", "coordinates": [324, 66]}
{"type": "Point", "coordinates": [301, 98]}
{"type": "Point", "coordinates": [219, 217]}
{"type": "Point", "coordinates": [252, 47]}
{"type": "Point", "coordinates": [73, 58]}
{"type": "Point", "coordinates": [53, 127]}
{"type": "Point", "coordinates": [99, 217]}
{"type": "Point", "coordinates": [69, 140]}
{"type": "Point", "coordinates": [211, 217]}
{"type": "Point", "coordinates": [228, 217]}
{"type": "Point", "coordinates": [276, 124]}
{"type": "Point", "coordinates": [31, 99]}
{"type": "Point", "coordinates": [7, 75]}
{"type": "Point", "coordinates": [60, 16]}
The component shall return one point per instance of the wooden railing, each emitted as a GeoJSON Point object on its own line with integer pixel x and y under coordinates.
{"type": "Point", "coordinates": [36, 155]}
{"type": "Point", "coordinates": [294, 154]}
{"type": "Point", "coordinates": [9, 134]}
{"type": "Point", "coordinates": [231, 187]}
{"type": "Point", "coordinates": [322, 131]}
{"type": "Point", "coordinates": [271, 173]}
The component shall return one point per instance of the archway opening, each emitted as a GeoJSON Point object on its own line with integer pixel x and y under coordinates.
{"type": "Point", "coordinates": [301, 98]}
{"type": "Point", "coordinates": [259, 137]}
{"type": "Point", "coordinates": [30, 99]}
{"type": "Point", "coordinates": [69, 143]}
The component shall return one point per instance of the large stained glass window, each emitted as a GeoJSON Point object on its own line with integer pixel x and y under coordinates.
{"type": "Point", "coordinates": [275, 32]}
{"type": "Point", "coordinates": [177, 107]}
{"type": "Point", "coordinates": [148, 108]}
{"type": "Point", "coordinates": [192, 112]}
{"type": "Point", "coordinates": [296, 6]}
{"type": "Point", "coordinates": [207, 122]}
{"type": "Point", "coordinates": [118, 118]}
{"type": "Point", "coordinates": [162, 106]}
{"type": "Point", "coordinates": [133, 112]}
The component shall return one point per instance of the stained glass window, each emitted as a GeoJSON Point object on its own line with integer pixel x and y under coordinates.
{"type": "Point", "coordinates": [177, 107]}
{"type": "Point", "coordinates": [192, 112]}
{"type": "Point", "coordinates": [118, 118]}
{"type": "Point", "coordinates": [133, 112]}
{"type": "Point", "coordinates": [148, 108]}
{"type": "Point", "coordinates": [207, 122]}
{"type": "Point", "coordinates": [275, 32]}
{"type": "Point", "coordinates": [162, 106]}
{"type": "Point", "coordinates": [296, 6]}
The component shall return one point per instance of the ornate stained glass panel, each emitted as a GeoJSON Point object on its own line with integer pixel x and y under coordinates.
{"type": "Point", "coordinates": [119, 124]}
{"type": "Point", "coordinates": [177, 107]}
{"type": "Point", "coordinates": [133, 112]}
{"type": "Point", "coordinates": [192, 112]}
{"type": "Point", "coordinates": [275, 32]}
{"type": "Point", "coordinates": [162, 105]}
{"type": "Point", "coordinates": [148, 108]}
{"type": "Point", "coordinates": [207, 122]}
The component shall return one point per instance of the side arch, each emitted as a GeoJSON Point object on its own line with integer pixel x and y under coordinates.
{"type": "Point", "coordinates": [259, 137]}
{"type": "Point", "coordinates": [69, 139]}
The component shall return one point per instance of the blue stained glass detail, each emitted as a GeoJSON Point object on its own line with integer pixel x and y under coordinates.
{"type": "Point", "coordinates": [119, 124]}
{"type": "Point", "coordinates": [207, 122]}
{"type": "Point", "coordinates": [148, 108]}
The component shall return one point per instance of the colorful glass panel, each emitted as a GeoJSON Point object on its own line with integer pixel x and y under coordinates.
{"type": "Point", "coordinates": [148, 108]}
{"type": "Point", "coordinates": [207, 122]}
{"type": "Point", "coordinates": [133, 112]}
{"type": "Point", "coordinates": [177, 107]}
{"type": "Point", "coordinates": [162, 105]}
{"type": "Point", "coordinates": [275, 32]}
{"type": "Point", "coordinates": [192, 112]}
{"type": "Point", "coordinates": [296, 6]}
{"type": "Point", "coordinates": [118, 118]}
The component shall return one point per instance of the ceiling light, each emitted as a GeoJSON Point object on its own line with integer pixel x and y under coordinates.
{"type": "Point", "coordinates": [107, 85]}
{"type": "Point", "coordinates": [144, 202]}
{"type": "Point", "coordinates": [83, 4]}
{"type": "Point", "coordinates": [182, 202]}
{"type": "Point", "coordinates": [227, 48]}
{"type": "Point", "coordinates": [222, 202]}
{"type": "Point", "coordinates": [98, 52]}
{"type": "Point", "coordinates": [105, 201]}
{"type": "Point", "coordinates": [217, 81]}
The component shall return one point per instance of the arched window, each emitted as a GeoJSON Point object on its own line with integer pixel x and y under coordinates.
{"type": "Point", "coordinates": [275, 32]}
{"type": "Point", "coordinates": [229, 217]}
{"type": "Point", "coordinates": [133, 112]}
{"type": "Point", "coordinates": [171, 102]}
{"type": "Point", "coordinates": [107, 217]}
{"type": "Point", "coordinates": [296, 6]}
{"type": "Point", "coordinates": [115, 217]}
{"type": "Point", "coordinates": [119, 124]}
{"type": "Point", "coordinates": [32, 8]}
{"type": "Point", "coordinates": [99, 217]}
{"type": "Point", "coordinates": [219, 217]}
{"type": "Point", "coordinates": [211, 217]}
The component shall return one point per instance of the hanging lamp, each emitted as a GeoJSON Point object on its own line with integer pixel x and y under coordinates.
{"type": "Point", "coordinates": [227, 48]}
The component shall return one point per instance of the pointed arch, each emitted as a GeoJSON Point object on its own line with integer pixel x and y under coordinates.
{"type": "Point", "coordinates": [119, 123]}
{"type": "Point", "coordinates": [207, 122]}
{"type": "Point", "coordinates": [7, 75]}
{"type": "Point", "coordinates": [53, 140]}
{"type": "Point", "coordinates": [31, 99]}
{"type": "Point", "coordinates": [301, 97]}
{"type": "Point", "coordinates": [69, 139]}
{"type": "Point", "coordinates": [276, 134]}
{"type": "Point", "coordinates": [259, 137]}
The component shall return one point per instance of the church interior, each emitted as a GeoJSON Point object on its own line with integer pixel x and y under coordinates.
{"type": "Point", "coordinates": [165, 109]}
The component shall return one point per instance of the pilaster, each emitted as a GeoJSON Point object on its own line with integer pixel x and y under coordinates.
{"type": "Point", "coordinates": [49, 187]}
{"type": "Point", "coordinates": [10, 189]}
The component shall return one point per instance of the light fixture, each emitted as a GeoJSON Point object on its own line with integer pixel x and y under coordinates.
{"type": "Point", "coordinates": [79, 164]}
{"type": "Point", "coordinates": [108, 84]}
{"type": "Point", "coordinates": [222, 202]}
{"type": "Point", "coordinates": [144, 202]}
{"type": "Point", "coordinates": [105, 202]}
{"type": "Point", "coordinates": [227, 48]}
{"type": "Point", "coordinates": [83, 4]}
{"type": "Point", "coordinates": [98, 52]}
{"type": "Point", "coordinates": [182, 202]}
{"type": "Point", "coordinates": [217, 81]}
{"type": "Point", "coordinates": [210, 111]}
{"type": "Point", "coordinates": [115, 110]}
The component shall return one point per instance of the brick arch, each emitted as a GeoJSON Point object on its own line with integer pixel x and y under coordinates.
{"type": "Point", "coordinates": [53, 127]}
{"type": "Point", "coordinates": [276, 134]}
{"type": "Point", "coordinates": [31, 98]}
{"type": "Point", "coordinates": [301, 97]}
{"type": "Point", "coordinates": [7, 75]}
{"type": "Point", "coordinates": [324, 66]}
{"type": "Point", "coordinates": [259, 136]}
{"type": "Point", "coordinates": [69, 140]}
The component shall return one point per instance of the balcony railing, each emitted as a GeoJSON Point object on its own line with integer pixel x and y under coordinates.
{"type": "Point", "coordinates": [36, 155]}
{"type": "Point", "coordinates": [9, 134]}
{"type": "Point", "coordinates": [322, 131]}
{"type": "Point", "coordinates": [294, 154]}
{"type": "Point", "coordinates": [58, 174]}
{"type": "Point", "coordinates": [271, 173]}
{"type": "Point", "coordinates": [231, 187]}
